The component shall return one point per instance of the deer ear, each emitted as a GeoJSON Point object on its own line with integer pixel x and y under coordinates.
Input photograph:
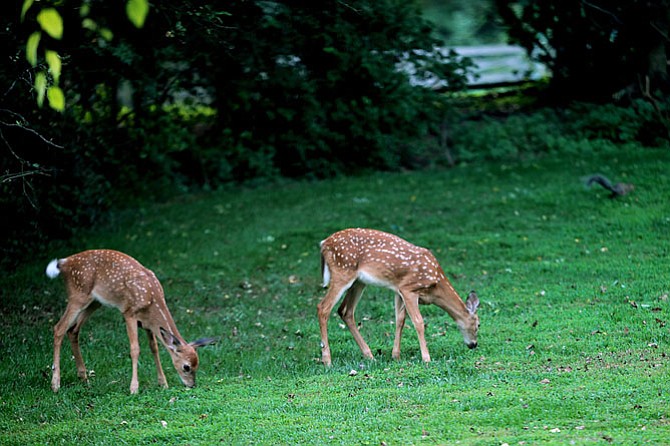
{"type": "Point", "coordinates": [202, 342]}
{"type": "Point", "coordinates": [170, 340]}
{"type": "Point", "coordinates": [472, 302]}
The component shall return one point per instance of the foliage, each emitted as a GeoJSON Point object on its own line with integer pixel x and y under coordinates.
{"type": "Point", "coordinates": [294, 90]}
{"type": "Point", "coordinates": [328, 103]}
{"type": "Point", "coordinates": [572, 346]}
{"type": "Point", "coordinates": [465, 22]}
{"type": "Point", "coordinates": [50, 21]}
{"type": "Point", "coordinates": [577, 130]}
{"type": "Point", "coordinates": [595, 50]}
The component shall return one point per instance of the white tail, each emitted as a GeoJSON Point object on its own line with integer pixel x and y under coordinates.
{"type": "Point", "coordinates": [354, 258]}
{"type": "Point", "coordinates": [112, 278]}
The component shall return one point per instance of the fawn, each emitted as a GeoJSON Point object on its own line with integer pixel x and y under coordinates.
{"type": "Point", "coordinates": [354, 258]}
{"type": "Point", "coordinates": [100, 276]}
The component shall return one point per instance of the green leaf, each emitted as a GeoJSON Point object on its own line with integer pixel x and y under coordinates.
{"type": "Point", "coordinates": [56, 98]}
{"type": "Point", "coordinates": [137, 11]}
{"type": "Point", "coordinates": [31, 47]}
{"type": "Point", "coordinates": [26, 6]}
{"type": "Point", "coordinates": [106, 34]}
{"type": "Point", "coordinates": [89, 24]}
{"type": "Point", "coordinates": [40, 86]}
{"type": "Point", "coordinates": [51, 22]}
{"type": "Point", "coordinates": [54, 62]}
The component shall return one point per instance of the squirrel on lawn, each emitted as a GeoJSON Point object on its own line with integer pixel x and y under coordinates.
{"type": "Point", "coordinates": [616, 189]}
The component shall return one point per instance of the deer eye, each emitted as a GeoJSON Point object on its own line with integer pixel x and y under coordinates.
{"type": "Point", "coordinates": [187, 368]}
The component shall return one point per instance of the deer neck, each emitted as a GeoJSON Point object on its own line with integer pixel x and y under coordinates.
{"type": "Point", "coordinates": [158, 316]}
{"type": "Point", "coordinates": [448, 299]}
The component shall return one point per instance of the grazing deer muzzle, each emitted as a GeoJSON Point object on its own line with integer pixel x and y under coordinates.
{"type": "Point", "coordinates": [100, 276]}
{"type": "Point", "coordinates": [354, 258]}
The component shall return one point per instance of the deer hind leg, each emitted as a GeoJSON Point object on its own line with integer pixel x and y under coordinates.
{"type": "Point", "coordinates": [400, 314]}
{"type": "Point", "coordinates": [346, 312]}
{"type": "Point", "coordinates": [411, 301]}
{"type": "Point", "coordinates": [66, 321]}
{"type": "Point", "coordinates": [131, 328]}
{"type": "Point", "coordinates": [73, 335]}
{"type": "Point", "coordinates": [153, 345]}
{"type": "Point", "coordinates": [339, 284]}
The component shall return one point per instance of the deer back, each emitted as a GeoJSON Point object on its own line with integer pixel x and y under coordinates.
{"type": "Point", "coordinates": [382, 259]}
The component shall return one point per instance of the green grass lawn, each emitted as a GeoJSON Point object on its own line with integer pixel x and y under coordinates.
{"type": "Point", "coordinates": [573, 345]}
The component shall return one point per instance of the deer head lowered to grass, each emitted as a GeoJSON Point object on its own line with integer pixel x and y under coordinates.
{"type": "Point", "coordinates": [354, 258]}
{"type": "Point", "coordinates": [115, 279]}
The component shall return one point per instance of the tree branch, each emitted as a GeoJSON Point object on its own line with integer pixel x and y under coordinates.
{"type": "Point", "coordinates": [598, 8]}
{"type": "Point", "coordinates": [28, 129]}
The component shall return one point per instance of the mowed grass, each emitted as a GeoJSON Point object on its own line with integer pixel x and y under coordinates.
{"type": "Point", "coordinates": [573, 345]}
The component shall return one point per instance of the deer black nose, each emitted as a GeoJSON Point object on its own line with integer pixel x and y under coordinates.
{"type": "Point", "coordinates": [472, 345]}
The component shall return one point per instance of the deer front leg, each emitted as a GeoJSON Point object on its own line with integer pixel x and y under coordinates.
{"type": "Point", "coordinates": [335, 291]}
{"type": "Point", "coordinates": [411, 301]}
{"type": "Point", "coordinates": [346, 312]}
{"type": "Point", "coordinates": [73, 335]}
{"type": "Point", "coordinates": [154, 351]}
{"type": "Point", "coordinates": [63, 325]}
{"type": "Point", "coordinates": [131, 328]}
{"type": "Point", "coordinates": [400, 314]}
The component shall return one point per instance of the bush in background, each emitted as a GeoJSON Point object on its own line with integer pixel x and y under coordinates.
{"type": "Point", "coordinates": [206, 94]}
{"type": "Point", "coordinates": [578, 129]}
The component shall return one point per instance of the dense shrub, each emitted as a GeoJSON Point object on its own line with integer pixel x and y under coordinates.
{"type": "Point", "coordinates": [595, 50]}
{"type": "Point", "coordinates": [578, 129]}
{"type": "Point", "coordinates": [205, 94]}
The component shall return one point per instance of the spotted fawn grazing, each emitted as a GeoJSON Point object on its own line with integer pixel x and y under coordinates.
{"type": "Point", "coordinates": [97, 277]}
{"type": "Point", "coordinates": [354, 258]}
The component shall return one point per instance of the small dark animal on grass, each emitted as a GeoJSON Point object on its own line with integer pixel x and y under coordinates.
{"type": "Point", "coordinates": [616, 190]}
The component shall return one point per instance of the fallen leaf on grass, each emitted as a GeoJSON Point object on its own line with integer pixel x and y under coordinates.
{"type": "Point", "coordinates": [545, 381]}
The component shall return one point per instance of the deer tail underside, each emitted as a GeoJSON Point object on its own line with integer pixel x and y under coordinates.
{"type": "Point", "coordinates": [325, 271]}
{"type": "Point", "coordinates": [53, 270]}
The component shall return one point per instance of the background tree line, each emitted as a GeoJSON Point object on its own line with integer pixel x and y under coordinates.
{"type": "Point", "coordinates": [210, 92]}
